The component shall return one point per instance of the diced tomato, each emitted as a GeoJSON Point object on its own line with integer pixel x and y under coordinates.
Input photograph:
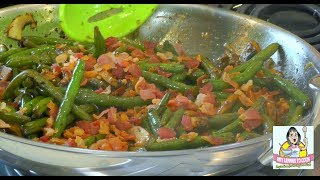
{"type": "Point", "coordinates": [166, 133]}
{"type": "Point", "coordinates": [186, 123]}
{"type": "Point", "coordinates": [135, 70]}
{"type": "Point", "coordinates": [163, 73]}
{"type": "Point", "coordinates": [207, 88]}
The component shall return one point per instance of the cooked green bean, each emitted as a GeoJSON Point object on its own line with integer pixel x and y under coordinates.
{"type": "Point", "coordinates": [166, 116]}
{"type": "Point", "coordinates": [288, 87]}
{"type": "Point", "coordinates": [69, 98]}
{"type": "Point", "coordinates": [41, 107]}
{"type": "Point", "coordinates": [220, 120]}
{"type": "Point", "coordinates": [4, 55]}
{"type": "Point", "coordinates": [34, 126]}
{"type": "Point", "coordinates": [227, 137]}
{"type": "Point", "coordinates": [166, 82]}
{"type": "Point", "coordinates": [177, 144]}
{"type": "Point", "coordinates": [245, 135]}
{"type": "Point", "coordinates": [163, 103]}
{"type": "Point", "coordinates": [268, 123]}
{"type": "Point", "coordinates": [169, 67]}
{"type": "Point", "coordinates": [13, 117]}
{"type": "Point", "coordinates": [175, 119]}
{"type": "Point", "coordinates": [178, 77]}
{"type": "Point", "coordinates": [99, 43]}
{"type": "Point", "coordinates": [292, 108]}
{"type": "Point", "coordinates": [93, 139]}
{"type": "Point", "coordinates": [296, 116]}
{"type": "Point", "coordinates": [209, 67]}
{"type": "Point", "coordinates": [154, 121]}
{"type": "Point", "coordinates": [29, 106]}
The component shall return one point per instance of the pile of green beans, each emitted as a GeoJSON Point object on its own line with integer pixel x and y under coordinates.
{"type": "Point", "coordinates": [32, 91]}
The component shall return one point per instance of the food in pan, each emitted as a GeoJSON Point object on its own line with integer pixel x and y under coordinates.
{"type": "Point", "coordinates": [120, 94]}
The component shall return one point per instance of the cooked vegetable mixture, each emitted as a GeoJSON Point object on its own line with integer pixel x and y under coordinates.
{"type": "Point", "coordinates": [119, 94]}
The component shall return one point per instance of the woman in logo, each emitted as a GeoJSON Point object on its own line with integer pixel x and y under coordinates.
{"type": "Point", "coordinates": [293, 147]}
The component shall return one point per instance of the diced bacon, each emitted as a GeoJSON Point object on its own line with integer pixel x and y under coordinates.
{"type": "Point", "coordinates": [112, 115]}
{"type": "Point", "coordinates": [226, 78]}
{"type": "Point", "coordinates": [243, 98]}
{"type": "Point", "coordinates": [99, 91]}
{"type": "Point", "coordinates": [179, 49]}
{"type": "Point", "coordinates": [89, 127]}
{"type": "Point", "coordinates": [186, 123]}
{"type": "Point", "coordinates": [117, 144]}
{"type": "Point", "coordinates": [146, 94]}
{"type": "Point", "coordinates": [138, 53]}
{"type": "Point", "coordinates": [44, 138]}
{"type": "Point", "coordinates": [78, 55]}
{"type": "Point", "coordinates": [84, 82]}
{"type": "Point", "coordinates": [163, 73]}
{"type": "Point", "coordinates": [181, 101]}
{"type": "Point", "coordinates": [101, 114]}
{"type": "Point", "coordinates": [207, 88]}
{"type": "Point", "coordinates": [135, 70]}
{"type": "Point", "coordinates": [107, 58]}
{"type": "Point", "coordinates": [90, 63]}
{"type": "Point", "coordinates": [56, 68]}
{"type": "Point", "coordinates": [4, 124]}
{"type": "Point", "coordinates": [228, 68]}
{"type": "Point", "coordinates": [208, 108]}
{"type": "Point", "coordinates": [123, 125]}
{"type": "Point", "coordinates": [215, 141]}
{"type": "Point", "coordinates": [251, 118]}
{"type": "Point", "coordinates": [166, 133]}
{"type": "Point", "coordinates": [165, 56]}
{"type": "Point", "coordinates": [191, 63]}
{"type": "Point", "coordinates": [71, 143]}
{"type": "Point", "coordinates": [149, 45]}
{"type": "Point", "coordinates": [53, 109]}
{"type": "Point", "coordinates": [118, 72]}
{"type": "Point", "coordinates": [112, 43]}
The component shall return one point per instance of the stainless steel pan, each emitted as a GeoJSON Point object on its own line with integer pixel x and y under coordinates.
{"type": "Point", "coordinates": [201, 30]}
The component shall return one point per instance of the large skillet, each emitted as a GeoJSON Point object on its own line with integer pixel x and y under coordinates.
{"type": "Point", "coordinates": [201, 30]}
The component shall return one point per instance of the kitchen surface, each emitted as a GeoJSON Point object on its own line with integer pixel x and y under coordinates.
{"type": "Point", "coordinates": [304, 21]}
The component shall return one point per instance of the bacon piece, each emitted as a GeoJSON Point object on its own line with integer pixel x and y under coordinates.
{"type": "Point", "coordinates": [207, 88]}
{"type": "Point", "coordinates": [186, 123]}
{"type": "Point", "coordinates": [107, 58]}
{"type": "Point", "coordinates": [163, 73]}
{"type": "Point", "coordinates": [166, 133]}
{"type": "Point", "coordinates": [135, 70]}
{"type": "Point", "coordinates": [251, 118]}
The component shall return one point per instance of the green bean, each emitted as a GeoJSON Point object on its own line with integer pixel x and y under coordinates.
{"type": "Point", "coordinates": [27, 83]}
{"type": "Point", "coordinates": [166, 116]}
{"type": "Point", "coordinates": [28, 60]}
{"type": "Point", "coordinates": [236, 106]}
{"type": "Point", "coordinates": [13, 117]}
{"type": "Point", "coordinates": [89, 108]}
{"type": "Point", "coordinates": [220, 120]}
{"type": "Point", "coordinates": [46, 40]}
{"type": "Point", "coordinates": [175, 119]}
{"type": "Point", "coordinates": [29, 106]}
{"type": "Point", "coordinates": [135, 42]}
{"type": "Point", "coordinates": [24, 99]}
{"type": "Point", "coordinates": [41, 107]}
{"type": "Point", "coordinates": [178, 77]}
{"type": "Point", "coordinates": [177, 144]}
{"type": "Point", "coordinates": [32, 136]}
{"type": "Point", "coordinates": [268, 123]}
{"type": "Point", "coordinates": [288, 87]}
{"type": "Point", "coordinates": [196, 74]}
{"type": "Point", "coordinates": [236, 126]}
{"type": "Point", "coordinates": [145, 123]}
{"type": "Point", "coordinates": [99, 43]}
{"type": "Point", "coordinates": [163, 103]}
{"type": "Point", "coordinates": [167, 46]}
{"type": "Point", "coordinates": [227, 137]}
{"type": "Point", "coordinates": [292, 108]}
{"type": "Point", "coordinates": [180, 130]}
{"type": "Point", "coordinates": [88, 96]}
{"type": "Point", "coordinates": [166, 82]}
{"type": "Point", "coordinates": [33, 51]}
{"type": "Point", "coordinates": [4, 55]}
{"type": "Point", "coordinates": [227, 104]}
{"type": "Point", "coordinates": [169, 67]}
{"type": "Point", "coordinates": [263, 55]}
{"type": "Point", "coordinates": [94, 84]}
{"type": "Point", "coordinates": [154, 121]}
{"type": "Point", "coordinates": [34, 126]}
{"type": "Point", "coordinates": [13, 85]}
{"type": "Point", "coordinates": [296, 116]}
{"type": "Point", "coordinates": [28, 43]}
{"type": "Point", "coordinates": [245, 135]}
{"type": "Point", "coordinates": [69, 98]}
{"type": "Point", "coordinates": [221, 94]}
{"type": "Point", "coordinates": [209, 67]}
{"type": "Point", "coordinates": [93, 139]}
